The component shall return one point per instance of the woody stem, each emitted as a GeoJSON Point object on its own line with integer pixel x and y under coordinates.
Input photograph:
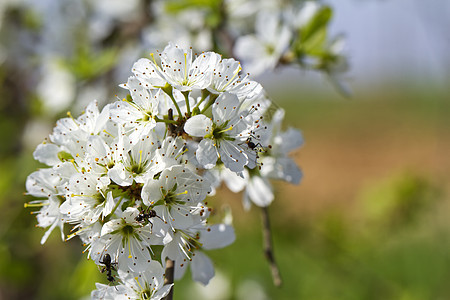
{"type": "Point", "coordinates": [170, 268]}
{"type": "Point", "coordinates": [268, 247]}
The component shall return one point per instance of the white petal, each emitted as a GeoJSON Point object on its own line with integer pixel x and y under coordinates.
{"type": "Point", "coordinates": [199, 125]}
{"type": "Point", "coordinates": [219, 236]}
{"type": "Point", "coordinates": [207, 153]}
{"type": "Point", "coordinates": [180, 220]}
{"type": "Point", "coordinates": [251, 52]}
{"type": "Point", "coordinates": [260, 191]}
{"type": "Point", "coordinates": [111, 226]}
{"type": "Point", "coordinates": [130, 214]}
{"type": "Point", "coordinates": [97, 147]}
{"type": "Point", "coordinates": [154, 273]}
{"type": "Point", "coordinates": [119, 176]}
{"type": "Point", "coordinates": [147, 72]}
{"type": "Point", "coordinates": [180, 269]}
{"type": "Point", "coordinates": [232, 156]}
{"type": "Point", "coordinates": [47, 154]}
{"type": "Point", "coordinates": [171, 251]}
{"type": "Point", "coordinates": [47, 233]}
{"type": "Point", "coordinates": [109, 204]}
{"type": "Point", "coordinates": [124, 112]}
{"type": "Point", "coordinates": [233, 181]}
{"type": "Point", "coordinates": [246, 202]}
{"type": "Point", "coordinates": [291, 140]}
{"type": "Point", "coordinates": [202, 268]}
{"type": "Point", "coordinates": [225, 108]}
{"type": "Point", "coordinates": [101, 120]}
{"type": "Point", "coordinates": [286, 169]}
{"type": "Point", "coordinates": [151, 192]}
{"type": "Point", "coordinates": [200, 74]}
{"type": "Point", "coordinates": [162, 292]}
{"type": "Point", "coordinates": [137, 259]}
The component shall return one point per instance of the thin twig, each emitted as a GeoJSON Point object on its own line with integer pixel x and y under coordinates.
{"type": "Point", "coordinates": [170, 268]}
{"type": "Point", "coordinates": [268, 248]}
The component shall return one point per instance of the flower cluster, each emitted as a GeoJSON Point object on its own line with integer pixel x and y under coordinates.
{"type": "Point", "coordinates": [131, 179]}
{"type": "Point", "coordinates": [262, 34]}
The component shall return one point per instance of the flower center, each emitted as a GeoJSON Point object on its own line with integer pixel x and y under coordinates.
{"type": "Point", "coordinates": [127, 230]}
{"type": "Point", "coordinates": [170, 197]}
{"type": "Point", "coordinates": [147, 116]}
{"type": "Point", "coordinates": [137, 167]}
{"type": "Point", "coordinates": [145, 294]}
{"type": "Point", "coordinates": [99, 199]}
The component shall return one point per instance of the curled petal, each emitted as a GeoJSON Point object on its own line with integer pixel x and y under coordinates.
{"type": "Point", "coordinates": [199, 125]}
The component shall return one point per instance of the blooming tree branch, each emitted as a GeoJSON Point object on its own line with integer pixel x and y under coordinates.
{"type": "Point", "coordinates": [131, 179]}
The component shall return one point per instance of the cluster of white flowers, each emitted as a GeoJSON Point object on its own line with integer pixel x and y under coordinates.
{"type": "Point", "coordinates": [261, 34]}
{"type": "Point", "coordinates": [293, 34]}
{"type": "Point", "coordinates": [131, 179]}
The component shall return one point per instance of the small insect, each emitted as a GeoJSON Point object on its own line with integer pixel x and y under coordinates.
{"type": "Point", "coordinates": [251, 145]}
{"type": "Point", "coordinates": [145, 216]}
{"type": "Point", "coordinates": [255, 146]}
{"type": "Point", "coordinates": [109, 266]}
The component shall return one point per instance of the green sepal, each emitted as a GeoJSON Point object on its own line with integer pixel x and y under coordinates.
{"type": "Point", "coordinates": [168, 90]}
{"type": "Point", "coordinates": [65, 156]}
{"type": "Point", "coordinates": [196, 111]}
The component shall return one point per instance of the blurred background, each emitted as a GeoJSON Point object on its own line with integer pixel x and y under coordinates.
{"type": "Point", "coordinates": [370, 220]}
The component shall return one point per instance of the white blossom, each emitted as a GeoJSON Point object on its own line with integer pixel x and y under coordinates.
{"type": "Point", "coordinates": [262, 51]}
{"type": "Point", "coordinates": [223, 136]}
{"type": "Point", "coordinates": [149, 284]}
{"type": "Point", "coordinates": [128, 239]}
{"type": "Point", "coordinates": [131, 179]}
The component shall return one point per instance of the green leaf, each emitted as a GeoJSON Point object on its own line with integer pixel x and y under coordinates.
{"type": "Point", "coordinates": [88, 64]}
{"type": "Point", "coordinates": [317, 23]}
{"type": "Point", "coordinates": [315, 45]}
{"type": "Point", "coordinates": [213, 9]}
{"type": "Point", "coordinates": [176, 6]}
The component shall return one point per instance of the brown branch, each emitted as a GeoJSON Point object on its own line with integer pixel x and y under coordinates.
{"type": "Point", "coordinates": [268, 248]}
{"type": "Point", "coordinates": [169, 274]}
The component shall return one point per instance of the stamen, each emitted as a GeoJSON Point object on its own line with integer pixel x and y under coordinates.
{"type": "Point", "coordinates": [69, 114]}
{"type": "Point", "coordinates": [185, 67]}
{"type": "Point", "coordinates": [228, 129]}
{"type": "Point", "coordinates": [108, 133]}
{"type": "Point", "coordinates": [74, 165]}
{"type": "Point", "coordinates": [184, 151]}
{"type": "Point", "coordinates": [234, 76]}
{"type": "Point", "coordinates": [135, 106]}
{"type": "Point", "coordinates": [77, 232]}
{"type": "Point", "coordinates": [137, 281]}
{"type": "Point", "coordinates": [35, 204]}
{"type": "Point", "coordinates": [129, 249]}
{"type": "Point", "coordinates": [153, 57]}
{"type": "Point", "coordinates": [182, 193]}
{"type": "Point", "coordinates": [140, 157]}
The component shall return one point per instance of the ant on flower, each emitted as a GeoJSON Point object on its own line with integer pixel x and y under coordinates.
{"type": "Point", "coordinates": [145, 216]}
{"type": "Point", "coordinates": [255, 146]}
{"type": "Point", "coordinates": [109, 266]}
